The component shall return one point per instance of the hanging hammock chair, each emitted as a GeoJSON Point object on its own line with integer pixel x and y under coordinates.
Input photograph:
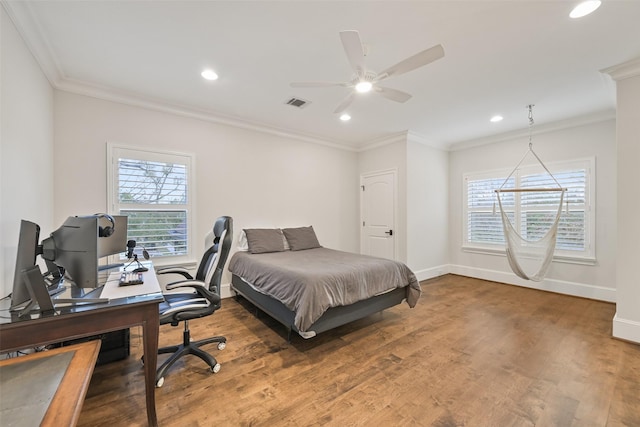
{"type": "Point", "coordinates": [530, 259]}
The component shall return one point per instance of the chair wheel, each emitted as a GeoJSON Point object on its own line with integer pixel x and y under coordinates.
{"type": "Point", "coordinates": [222, 345]}
{"type": "Point", "coordinates": [215, 368]}
{"type": "Point", "coordinates": [159, 382]}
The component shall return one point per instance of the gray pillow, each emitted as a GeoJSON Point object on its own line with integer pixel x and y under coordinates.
{"type": "Point", "coordinates": [301, 238]}
{"type": "Point", "coordinates": [263, 240]}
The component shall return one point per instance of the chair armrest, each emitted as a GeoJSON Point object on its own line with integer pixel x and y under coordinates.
{"type": "Point", "coordinates": [198, 286]}
{"type": "Point", "coordinates": [186, 284]}
{"type": "Point", "coordinates": [175, 270]}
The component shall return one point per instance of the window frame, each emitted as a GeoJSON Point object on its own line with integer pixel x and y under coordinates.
{"type": "Point", "coordinates": [586, 256]}
{"type": "Point", "coordinates": [118, 150]}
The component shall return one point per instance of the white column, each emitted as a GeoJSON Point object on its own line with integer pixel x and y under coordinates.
{"type": "Point", "coordinates": [626, 323]}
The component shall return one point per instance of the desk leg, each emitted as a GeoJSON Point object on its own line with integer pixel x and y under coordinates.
{"type": "Point", "coordinates": [150, 332]}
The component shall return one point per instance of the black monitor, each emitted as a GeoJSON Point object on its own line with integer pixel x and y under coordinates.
{"type": "Point", "coordinates": [25, 259]}
{"type": "Point", "coordinates": [74, 247]}
{"type": "Point", "coordinates": [116, 243]}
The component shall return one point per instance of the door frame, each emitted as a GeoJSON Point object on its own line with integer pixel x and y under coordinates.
{"type": "Point", "coordinates": [363, 176]}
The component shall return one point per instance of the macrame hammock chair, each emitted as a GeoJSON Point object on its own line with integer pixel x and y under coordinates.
{"type": "Point", "coordinates": [537, 254]}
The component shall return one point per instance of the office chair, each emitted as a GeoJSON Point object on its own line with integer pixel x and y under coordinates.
{"type": "Point", "coordinates": [203, 301]}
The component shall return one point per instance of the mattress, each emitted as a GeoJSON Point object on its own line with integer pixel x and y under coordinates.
{"type": "Point", "coordinates": [308, 282]}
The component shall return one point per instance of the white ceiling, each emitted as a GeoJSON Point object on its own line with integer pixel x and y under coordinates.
{"type": "Point", "coordinates": [499, 57]}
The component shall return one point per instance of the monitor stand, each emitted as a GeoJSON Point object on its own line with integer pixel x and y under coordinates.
{"type": "Point", "coordinates": [79, 296]}
{"type": "Point", "coordinates": [37, 291]}
{"type": "Point", "coordinates": [41, 291]}
{"type": "Point", "coordinates": [55, 287]}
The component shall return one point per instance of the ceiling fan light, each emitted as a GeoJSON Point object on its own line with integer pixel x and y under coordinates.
{"type": "Point", "coordinates": [585, 8]}
{"type": "Point", "coordinates": [363, 87]}
{"type": "Point", "coordinates": [345, 117]}
{"type": "Point", "coordinates": [209, 74]}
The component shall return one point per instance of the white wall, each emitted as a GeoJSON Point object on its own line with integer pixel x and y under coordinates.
{"type": "Point", "coordinates": [26, 146]}
{"type": "Point", "coordinates": [626, 323]}
{"type": "Point", "coordinates": [258, 179]}
{"type": "Point", "coordinates": [427, 210]}
{"type": "Point", "coordinates": [423, 193]}
{"type": "Point", "coordinates": [591, 140]}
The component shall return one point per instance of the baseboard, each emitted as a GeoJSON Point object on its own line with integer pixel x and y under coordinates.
{"type": "Point", "coordinates": [625, 329]}
{"type": "Point", "coordinates": [552, 285]}
{"type": "Point", "coordinates": [430, 273]}
{"type": "Point", "coordinates": [225, 290]}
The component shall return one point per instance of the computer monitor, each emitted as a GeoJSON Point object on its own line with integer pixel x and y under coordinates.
{"type": "Point", "coordinates": [74, 247]}
{"type": "Point", "coordinates": [116, 243]}
{"type": "Point", "coordinates": [25, 259]}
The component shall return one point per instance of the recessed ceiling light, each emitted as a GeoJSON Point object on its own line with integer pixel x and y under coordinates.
{"type": "Point", "coordinates": [585, 8]}
{"type": "Point", "coordinates": [345, 117]}
{"type": "Point", "coordinates": [209, 74]}
{"type": "Point", "coordinates": [363, 87]}
{"type": "Point", "coordinates": [496, 119]}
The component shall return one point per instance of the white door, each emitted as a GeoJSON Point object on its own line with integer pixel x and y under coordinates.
{"type": "Point", "coordinates": [378, 214]}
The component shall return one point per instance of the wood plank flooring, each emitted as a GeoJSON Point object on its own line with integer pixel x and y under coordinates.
{"type": "Point", "coordinates": [471, 353]}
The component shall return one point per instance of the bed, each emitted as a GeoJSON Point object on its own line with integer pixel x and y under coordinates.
{"type": "Point", "coordinates": [311, 289]}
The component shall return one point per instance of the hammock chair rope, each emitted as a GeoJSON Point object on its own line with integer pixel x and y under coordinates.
{"type": "Point", "coordinates": [518, 249]}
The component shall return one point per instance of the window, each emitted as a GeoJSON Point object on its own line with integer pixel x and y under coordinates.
{"type": "Point", "coordinates": [533, 213]}
{"type": "Point", "coordinates": [154, 190]}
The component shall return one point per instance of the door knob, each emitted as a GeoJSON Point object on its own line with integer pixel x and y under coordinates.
{"type": "Point", "coordinates": [390, 232]}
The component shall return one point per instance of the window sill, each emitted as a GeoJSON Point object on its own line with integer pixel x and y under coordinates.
{"type": "Point", "coordinates": [567, 259]}
{"type": "Point", "coordinates": [158, 263]}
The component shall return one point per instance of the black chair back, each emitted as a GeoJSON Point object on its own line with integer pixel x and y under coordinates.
{"type": "Point", "coordinates": [215, 258]}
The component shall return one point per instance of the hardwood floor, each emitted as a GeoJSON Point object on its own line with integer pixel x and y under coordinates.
{"type": "Point", "coordinates": [472, 353]}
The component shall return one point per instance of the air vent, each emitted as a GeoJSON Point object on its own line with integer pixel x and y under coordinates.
{"type": "Point", "coordinates": [297, 102]}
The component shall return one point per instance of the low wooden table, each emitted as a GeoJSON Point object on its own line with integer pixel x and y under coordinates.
{"type": "Point", "coordinates": [65, 405]}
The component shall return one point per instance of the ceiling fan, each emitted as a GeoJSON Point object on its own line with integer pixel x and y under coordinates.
{"type": "Point", "coordinates": [365, 80]}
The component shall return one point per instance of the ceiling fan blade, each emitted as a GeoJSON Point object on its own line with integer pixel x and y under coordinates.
{"type": "Point", "coordinates": [345, 103]}
{"type": "Point", "coordinates": [317, 84]}
{"type": "Point", "coordinates": [393, 94]}
{"type": "Point", "coordinates": [353, 48]}
{"type": "Point", "coordinates": [416, 61]}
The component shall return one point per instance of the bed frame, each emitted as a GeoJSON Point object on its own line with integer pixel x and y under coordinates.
{"type": "Point", "coordinates": [332, 318]}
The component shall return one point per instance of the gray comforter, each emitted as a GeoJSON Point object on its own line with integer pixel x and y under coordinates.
{"type": "Point", "coordinates": [308, 282]}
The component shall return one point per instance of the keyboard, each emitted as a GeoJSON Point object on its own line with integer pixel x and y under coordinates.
{"type": "Point", "coordinates": [129, 278]}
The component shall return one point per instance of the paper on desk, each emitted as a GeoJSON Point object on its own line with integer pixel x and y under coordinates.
{"type": "Point", "coordinates": [112, 290]}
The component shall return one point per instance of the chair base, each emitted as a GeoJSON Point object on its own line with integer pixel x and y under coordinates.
{"type": "Point", "coordinates": [189, 347]}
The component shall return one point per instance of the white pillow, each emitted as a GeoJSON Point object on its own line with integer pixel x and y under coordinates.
{"type": "Point", "coordinates": [243, 245]}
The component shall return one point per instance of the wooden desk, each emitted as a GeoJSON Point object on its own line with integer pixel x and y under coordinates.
{"type": "Point", "coordinates": [66, 404]}
{"type": "Point", "coordinates": [87, 320]}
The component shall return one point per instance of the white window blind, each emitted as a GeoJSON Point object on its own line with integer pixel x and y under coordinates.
{"type": "Point", "coordinates": [483, 225]}
{"type": "Point", "coordinates": [532, 213]}
{"type": "Point", "coordinates": [153, 189]}
{"type": "Point", "coordinates": [538, 210]}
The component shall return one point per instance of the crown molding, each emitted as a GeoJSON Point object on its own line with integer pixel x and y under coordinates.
{"type": "Point", "coordinates": [23, 19]}
{"type": "Point", "coordinates": [385, 140]}
{"type": "Point", "coordinates": [403, 136]}
{"type": "Point", "coordinates": [537, 130]}
{"type": "Point", "coordinates": [625, 70]}
{"type": "Point", "coordinates": [414, 137]}
{"type": "Point", "coordinates": [133, 99]}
